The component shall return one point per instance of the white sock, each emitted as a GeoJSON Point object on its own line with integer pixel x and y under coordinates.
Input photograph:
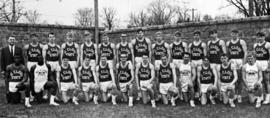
{"type": "Point", "coordinates": [113, 99]}
{"type": "Point", "coordinates": [130, 100]}
{"type": "Point", "coordinates": [95, 99]}
{"type": "Point", "coordinates": [27, 100]}
{"type": "Point", "coordinates": [52, 98]}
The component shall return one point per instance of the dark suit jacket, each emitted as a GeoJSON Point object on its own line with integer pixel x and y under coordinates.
{"type": "Point", "coordinates": [7, 57]}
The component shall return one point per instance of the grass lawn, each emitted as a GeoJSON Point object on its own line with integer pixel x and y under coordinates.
{"type": "Point", "coordinates": [106, 110]}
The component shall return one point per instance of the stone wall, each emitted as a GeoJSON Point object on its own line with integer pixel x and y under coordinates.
{"type": "Point", "coordinates": [247, 26]}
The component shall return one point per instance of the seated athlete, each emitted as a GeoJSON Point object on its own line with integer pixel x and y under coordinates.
{"type": "Point", "coordinates": [207, 81]}
{"type": "Point", "coordinates": [145, 75]}
{"type": "Point", "coordinates": [41, 78]}
{"type": "Point", "coordinates": [16, 77]}
{"type": "Point", "coordinates": [67, 80]}
{"type": "Point", "coordinates": [227, 78]}
{"type": "Point", "coordinates": [187, 79]}
{"type": "Point", "coordinates": [88, 81]}
{"type": "Point", "coordinates": [167, 80]}
{"type": "Point", "coordinates": [252, 76]}
{"type": "Point", "coordinates": [125, 77]}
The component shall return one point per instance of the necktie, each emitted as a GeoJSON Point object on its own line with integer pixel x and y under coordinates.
{"type": "Point", "coordinates": [11, 50]}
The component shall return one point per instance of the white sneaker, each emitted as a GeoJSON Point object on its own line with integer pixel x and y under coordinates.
{"type": "Point", "coordinates": [95, 99]}
{"type": "Point", "coordinates": [45, 97]}
{"type": "Point", "coordinates": [232, 104]}
{"type": "Point", "coordinates": [173, 101]}
{"type": "Point", "coordinates": [28, 105]}
{"type": "Point", "coordinates": [258, 105]}
{"type": "Point", "coordinates": [153, 104]}
{"type": "Point", "coordinates": [75, 101]}
{"type": "Point", "coordinates": [54, 104]}
{"type": "Point", "coordinates": [192, 104]}
{"type": "Point", "coordinates": [267, 99]}
{"type": "Point", "coordinates": [239, 99]}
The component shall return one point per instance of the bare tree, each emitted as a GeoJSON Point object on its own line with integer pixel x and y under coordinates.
{"type": "Point", "coordinates": [182, 14]}
{"type": "Point", "coordinates": [222, 17]}
{"type": "Point", "coordinates": [84, 17]}
{"type": "Point", "coordinates": [138, 20]}
{"type": "Point", "coordinates": [207, 17]}
{"type": "Point", "coordinates": [11, 10]}
{"type": "Point", "coordinates": [32, 16]}
{"type": "Point", "coordinates": [109, 17]}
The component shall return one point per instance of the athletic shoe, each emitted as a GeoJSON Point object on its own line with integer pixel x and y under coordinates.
{"type": "Point", "coordinates": [232, 104]}
{"type": "Point", "coordinates": [239, 99]}
{"type": "Point", "coordinates": [212, 100]}
{"type": "Point", "coordinates": [75, 101]}
{"type": "Point", "coordinates": [258, 105]}
{"type": "Point", "coordinates": [54, 104]}
{"type": "Point", "coordinates": [192, 104]}
{"type": "Point", "coordinates": [153, 104]}
{"type": "Point", "coordinates": [267, 99]}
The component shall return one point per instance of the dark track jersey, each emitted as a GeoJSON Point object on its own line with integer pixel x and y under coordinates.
{"type": "Point", "coordinates": [52, 53]}
{"type": "Point", "coordinates": [165, 74]}
{"type": "Point", "coordinates": [177, 51]}
{"type": "Point", "coordinates": [89, 52]}
{"type": "Point", "coordinates": [196, 51]}
{"type": "Point", "coordinates": [159, 50]}
{"type": "Point", "coordinates": [226, 74]}
{"type": "Point", "coordinates": [107, 51]}
{"type": "Point", "coordinates": [70, 52]}
{"type": "Point", "coordinates": [261, 52]}
{"type": "Point", "coordinates": [236, 51]}
{"type": "Point", "coordinates": [215, 51]}
{"type": "Point", "coordinates": [141, 48]}
{"type": "Point", "coordinates": [207, 76]}
{"type": "Point", "coordinates": [124, 73]}
{"type": "Point", "coordinates": [125, 50]}
{"type": "Point", "coordinates": [33, 52]}
{"type": "Point", "coordinates": [144, 73]}
{"type": "Point", "coordinates": [104, 74]}
{"type": "Point", "coordinates": [87, 75]}
{"type": "Point", "coordinates": [16, 73]}
{"type": "Point", "coordinates": [66, 75]}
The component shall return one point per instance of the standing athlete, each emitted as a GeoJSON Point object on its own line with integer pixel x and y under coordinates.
{"type": "Point", "coordinates": [227, 77]}
{"type": "Point", "coordinates": [207, 81]}
{"type": "Point", "coordinates": [167, 80]}
{"type": "Point", "coordinates": [237, 49]}
{"type": "Point", "coordinates": [160, 48]}
{"type": "Point", "coordinates": [125, 77]}
{"type": "Point", "coordinates": [145, 75]}
{"type": "Point", "coordinates": [252, 77]}
{"type": "Point", "coordinates": [70, 50]}
{"type": "Point", "coordinates": [124, 47]}
{"type": "Point", "coordinates": [187, 79]}
{"type": "Point", "coordinates": [89, 50]}
{"type": "Point", "coordinates": [107, 49]}
{"type": "Point", "coordinates": [178, 47]}
{"type": "Point", "coordinates": [262, 49]}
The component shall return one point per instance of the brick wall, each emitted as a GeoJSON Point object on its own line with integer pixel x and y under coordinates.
{"type": "Point", "coordinates": [247, 26]}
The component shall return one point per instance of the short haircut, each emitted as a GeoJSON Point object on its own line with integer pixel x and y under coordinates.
{"type": "Point", "coordinates": [51, 33]}
{"type": "Point", "coordinates": [186, 53]}
{"type": "Point", "coordinates": [206, 57]}
{"type": "Point", "coordinates": [11, 35]}
{"type": "Point", "coordinates": [225, 55]}
{"type": "Point", "coordinates": [33, 35]}
{"type": "Point", "coordinates": [197, 32]}
{"type": "Point", "coordinates": [261, 34]}
{"type": "Point", "coordinates": [235, 31]}
{"type": "Point", "coordinates": [87, 34]}
{"type": "Point", "coordinates": [158, 33]}
{"type": "Point", "coordinates": [70, 34]}
{"type": "Point", "coordinates": [139, 30]}
{"type": "Point", "coordinates": [177, 34]}
{"type": "Point", "coordinates": [164, 55]}
{"type": "Point", "coordinates": [123, 55]}
{"type": "Point", "coordinates": [145, 55]}
{"type": "Point", "coordinates": [212, 32]}
{"type": "Point", "coordinates": [65, 58]}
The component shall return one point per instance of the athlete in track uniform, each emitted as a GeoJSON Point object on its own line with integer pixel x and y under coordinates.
{"type": "Point", "coordinates": [41, 79]}
{"type": "Point", "coordinates": [207, 81]}
{"type": "Point", "coordinates": [16, 76]}
{"type": "Point", "coordinates": [107, 49]}
{"type": "Point", "coordinates": [167, 80]}
{"type": "Point", "coordinates": [252, 77]}
{"type": "Point", "coordinates": [216, 47]}
{"type": "Point", "coordinates": [89, 50]}
{"type": "Point", "coordinates": [67, 80]}
{"type": "Point", "coordinates": [145, 75]}
{"type": "Point", "coordinates": [187, 79]}
{"type": "Point", "coordinates": [227, 77]}
{"type": "Point", "coordinates": [237, 49]}
{"type": "Point", "coordinates": [178, 47]}
{"type": "Point", "coordinates": [88, 80]}
{"type": "Point", "coordinates": [33, 51]}
{"type": "Point", "coordinates": [160, 48]}
{"type": "Point", "coordinates": [141, 46]}
{"type": "Point", "coordinates": [71, 51]}
{"type": "Point", "coordinates": [106, 80]}
{"type": "Point", "coordinates": [124, 47]}
{"type": "Point", "coordinates": [262, 51]}
{"type": "Point", "coordinates": [197, 49]}
{"type": "Point", "coordinates": [125, 77]}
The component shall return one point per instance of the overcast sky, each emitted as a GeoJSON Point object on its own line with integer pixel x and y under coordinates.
{"type": "Point", "coordinates": [63, 12]}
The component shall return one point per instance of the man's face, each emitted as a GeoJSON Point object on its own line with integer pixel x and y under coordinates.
{"type": "Point", "coordinates": [224, 59]}
{"type": "Point", "coordinates": [234, 35]}
{"type": "Point", "coordinates": [260, 38]}
{"type": "Point", "coordinates": [70, 38]}
{"type": "Point", "coordinates": [65, 62]}
{"type": "Point", "coordinates": [164, 59]}
{"type": "Point", "coordinates": [145, 59]}
{"type": "Point", "coordinates": [17, 60]}
{"type": "Point", "coordinates": [34, 39]}
{"type": "Point", "coordinates": [51, 38]}
{"type": "Point", "coordinates": [186, 58]}
{"type": "Point", "coordinates": [123, 58]}
{"type": "Point", "coordinates": [11, 40]}
{"type": "Point", "coordinates": [87, 61]}
{"type": "Point", "coordinates": [123, 38]}
{"type": "Point", "coordinates": [251, 60]}
{"type": "Point", "coordinates": [105, 39]}
{"type": "Point", "coordinates": [206, 62]}
{"type": "Point", "coordinates": [196, 36]}
{"type": "Point", "coordinates": [103, 61]}
{"type": "Point", "coordinates": [213, 36]}
{"type": "Point", "coordinates": [177, 38]}
{"type": "Point", "coordinates": [88, 38]}
{"type": "Point", "coordinates": [159, 37]}
{"type": "Point", "coordinates": [140, 34]}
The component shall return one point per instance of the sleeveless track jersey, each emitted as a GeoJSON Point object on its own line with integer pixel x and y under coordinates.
{"type": "Point", "coordinates": [165, 74]}
{"type": "Point", "coordinates": [159, 50]}
{"type": "Point", "coordinates": [66, 74]}
{"type": "Point", "coordinates": [52, 53]}
{"type": "Point", "coordinates": [226, 74]}
{"type": "Point", "coordinates": [107, 51]}
{"type": "Point", "coordinates": [124, 73]}
{"type": "Point", "coordinates": [177, 51]}
{"type": "Point", "coordinates": [196, 51]}
{"type": "Point", "coordinates": [87, 75]}
{"type": "Point", "coordinates": [207, 76]}
{"type": "Point", "coordinates": [41, 73]}
{"type": "Point", "coordinates": [70, 52]}
{"type": "Point", "coordinates": [125, 50]}
{"type": "Point", "coordinates": [252, 73]}
{"type": "Point", "coordinates": [141, 48]}
{"type": "Point", "coordinates": [185, 71]}
{"type": "Point", "coordinates": [104, 74]}
{"type": "Point", "coordinates": [16, 74]}
{"type": "Point", "coordinates": [261, 52]}
{"type": "Point", "coordinates": [144, 73]}
{"type": "Point", "coordinates": [33, 52]}
{"type": "Point", "coordinates": [215, 51]}
{"type": "Point", "coordinates": [235, 51]}
{"type": "Point", "coordinates": [89, 51]}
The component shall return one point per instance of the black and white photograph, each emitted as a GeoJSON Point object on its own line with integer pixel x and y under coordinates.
{"type": "Point", "coordinates": [134, 58]}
